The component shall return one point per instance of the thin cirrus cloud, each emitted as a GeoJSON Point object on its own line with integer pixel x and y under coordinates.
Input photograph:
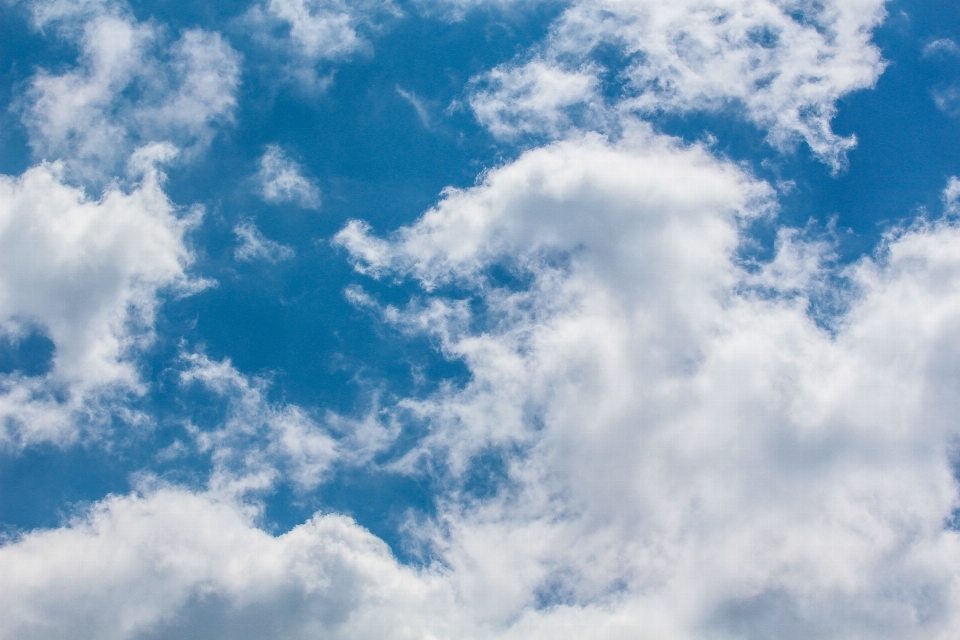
{"type": "Point", "coordinates": [671, 441]}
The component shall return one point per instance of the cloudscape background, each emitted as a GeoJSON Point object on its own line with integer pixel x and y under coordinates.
{"type": "Point", "coordinates": [443, 319]}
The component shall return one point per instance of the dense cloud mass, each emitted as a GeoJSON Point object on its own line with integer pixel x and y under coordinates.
{"type": "Point", "coordinates": [660, 431]}
{"type": "Point", "coordinates": [679, 433]}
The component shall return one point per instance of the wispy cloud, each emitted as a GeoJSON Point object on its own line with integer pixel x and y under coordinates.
{"type": "Point", "coordinates": [417, 105]}
{"type": "Point", "coordinates": [255, 246]}
{"type": "Point", "coordinates": [282, 180]}
{"type": "Point", "coordinates": [943, 46]}
{"type": "Point", "coordinates": [130, 87]}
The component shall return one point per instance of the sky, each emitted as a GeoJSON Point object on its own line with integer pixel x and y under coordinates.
{"type": "Point", "coordinates": [467, 319]}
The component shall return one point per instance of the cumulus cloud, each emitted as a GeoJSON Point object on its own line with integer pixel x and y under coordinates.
{"type": "Point", "coordinates": [784, 65]}
{"type": "Point", "coordinates": [255, 246]}
{"type": "Point", "coordinates": [175, 564]}
{"type": "Point", "coordinates": [681, 448]}
{"type": "Point", "coordinates": [130, 87]}
{"type": "Point", "coordinates": [258, 443]}
{"type": "Point", "coordinates": [536, 98]}
{"type": "Point", "coordinates": [87, 272]}
{"type": "Point", "coordinates": [951, 196]}
{"type": "Point", "coordinates": [282, 180]}
{"type": "Point", "coordinates": [686, 452]}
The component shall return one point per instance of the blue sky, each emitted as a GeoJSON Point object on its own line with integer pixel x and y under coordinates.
{"type": "Point", "coordinates": [466, 319]}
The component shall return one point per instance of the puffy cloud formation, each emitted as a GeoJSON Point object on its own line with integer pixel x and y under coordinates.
{"type": "Point", "coordinates": [87, 273]}
{"type": "Point", "coordinates": [130, 87]}
{"type": "Point", "coordinates": [784, 64]}
{"type": "Point", "coordinates": [685, 452]}
{"type": "Point", "coordinates": [282, 180]}
{"type": "Point", "coordinates": [173, 564]}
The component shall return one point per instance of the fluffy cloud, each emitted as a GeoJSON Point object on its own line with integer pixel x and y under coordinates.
{"type": "Point", "coordinates": [174, 564]}
{"type": "Point", "coordinates": [784, 64]}
{"type": "Point", "coordinates": [130, 87]}
{"type": "Point", "coordinates": [257, 443]}
{"type": "Point", "coordinates": [87, 273]}
{"type": "Point", "coordinates": [282, 180]}
{"type": "Point", "coordinates": [685, 451]}
{"type": "Point", "coordinates": [670, 441]}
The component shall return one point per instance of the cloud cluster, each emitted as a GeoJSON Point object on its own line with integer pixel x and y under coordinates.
{"type": "Point", "coordinates": [658, 438]}
{"type": "Point", "coordinates": [257, 441]}
{"type": "Point", "coordinates": [131, 87]}
{"type": "Point", "coordinates": [782, 65]}
{"type": "Point", "coordinates": [184, 565]}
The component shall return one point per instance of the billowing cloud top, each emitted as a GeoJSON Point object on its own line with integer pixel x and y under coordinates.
{"type": "Point", "coordinates": [588, 352]}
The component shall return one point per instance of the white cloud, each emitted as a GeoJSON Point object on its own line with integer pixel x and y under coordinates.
{"type": "Point", "coordinates": [258, 440]}
{"type": "Point", "coordinates": [943, 46]}
{"type": "Point", "coordinates": [282, 180]}
{"type": "Point", "coordinates": [255, 246]}
{"type": "Point", "coordinates": [784, 64]}
{"type": "Point", "coordinates": [318, 32]}
{"type": "Point", "coordinates": [947, 100]}
{"type": "Point", "coordinates": [686, 455]}
{"type": "Point", "coordinates": [457, 10]}
{"type": "Point", "coordinates": [86, 272]}
{"type": "Point", "coordinates": [417, 105]}
{"type": "Point", "coordinates": [174, 564]}
{"type": "Point", "coordinates": [129, 88]}
{"type": "Point", "coordinates": [531, 99]}
{"type": "Point", "coordinates": [951, 196]}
